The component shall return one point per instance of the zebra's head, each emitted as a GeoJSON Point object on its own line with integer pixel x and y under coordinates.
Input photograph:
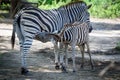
{"type": "Point", "coordinates": [85, 17]}
{"type": "Point", "coordinates": [77, 11]}
{"type": "Point", "coordinates": [47, 36]}
{"type": "Point", "coordinates": [83, 14]}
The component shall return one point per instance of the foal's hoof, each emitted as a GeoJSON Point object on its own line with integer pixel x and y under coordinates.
{"type": "Point", "coordinates": [63, 68]}
{"type": "Point", "coordinates": [24, 71]}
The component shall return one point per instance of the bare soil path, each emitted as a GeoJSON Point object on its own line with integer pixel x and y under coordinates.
{"type": "Point", "coordinates": [103, 39]}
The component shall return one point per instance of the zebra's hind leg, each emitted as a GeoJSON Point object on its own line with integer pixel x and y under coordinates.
{"type": "Point", "coordinates": [24, 52]}
{"type": "Point", "coordinates": [24, 71]}
{"type": "Point", "coordinates": [57, 66]}
{"type": "Point", "coordinates": [63, 68]}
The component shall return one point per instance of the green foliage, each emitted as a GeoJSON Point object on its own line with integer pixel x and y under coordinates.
{"type": "Point", "coordinates": [4, 6]}
{"type": "Point", "coordinates": [34, 1]}
{"type": "Point", "coordinates": [99, 9]}
{"type": "Point", "coordinates": [105, 8]}
{"type": "Point", "coordinates": [52, 4]}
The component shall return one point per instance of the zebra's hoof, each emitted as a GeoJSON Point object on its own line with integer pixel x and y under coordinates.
{"type": "Point", "coordinates": [24, 71]}
{"type": "Point", "coordinates": [82, 67]}
{"type": "Point", "coordinates": [74, 71]}
{"type": "Point", "coordinates": [57, 67]}
{"type": "Point", "coordinates": [92, 67]}
{"type": "Point", "coordinates": [63, 68]}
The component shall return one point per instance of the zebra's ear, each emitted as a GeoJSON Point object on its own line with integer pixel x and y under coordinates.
{"type": "Point", "coordinates": [89, 6]}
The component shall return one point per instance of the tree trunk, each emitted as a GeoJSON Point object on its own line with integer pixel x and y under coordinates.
{"type": "Point", "coordinates": [14, 4]}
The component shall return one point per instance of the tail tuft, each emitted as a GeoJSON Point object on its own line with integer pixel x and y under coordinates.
{"type": "Point", "coordinates": [13, 38]}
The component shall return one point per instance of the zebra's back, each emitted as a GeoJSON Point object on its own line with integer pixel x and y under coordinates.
{"type": "Point", "coordinates": [41, 20]}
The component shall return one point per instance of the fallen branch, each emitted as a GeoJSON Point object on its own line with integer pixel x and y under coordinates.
{"type": "Point", "coordinates": [111, 65]}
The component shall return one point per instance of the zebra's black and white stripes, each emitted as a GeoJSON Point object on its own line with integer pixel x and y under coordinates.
{"type": "Point", "coordinates": [30, 21]}
{"type": "Point", "coordinates": [72, 34]}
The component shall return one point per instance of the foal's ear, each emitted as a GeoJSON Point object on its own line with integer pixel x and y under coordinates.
{"type": "Point", "coordinates": [89, 6]}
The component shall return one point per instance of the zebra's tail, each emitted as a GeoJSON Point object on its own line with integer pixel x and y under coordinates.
{"type": "Point", "coordinates": [16, 23]}
{"type": "Point", "coordinates": [13, 37]}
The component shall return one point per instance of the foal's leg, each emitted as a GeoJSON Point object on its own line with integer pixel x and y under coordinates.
{"type": "Point", "coordinates": [56, 55]}
{"type": "Point", "coordinates": [66, 55]}
{"type": "Point", "coordinates": [62, 55]}
{"type": "Point", "coordinates": [73, 57]}
{"type": "Point", "coordinates": [82, 49]}
{"type": "Point", "coordinates": [88, 50]}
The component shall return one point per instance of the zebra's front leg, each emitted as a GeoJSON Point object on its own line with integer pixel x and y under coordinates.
{"type": "Point", "coordinates": [24, 52]}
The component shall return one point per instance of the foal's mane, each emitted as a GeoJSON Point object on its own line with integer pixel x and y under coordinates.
{"type": "Point", "coordinates": [66, 26]}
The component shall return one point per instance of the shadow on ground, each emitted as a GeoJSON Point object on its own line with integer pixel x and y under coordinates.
{"type": "Point", "coordinates": [105, 26]}
{"type": "Point", "coordinates": [10, 63]}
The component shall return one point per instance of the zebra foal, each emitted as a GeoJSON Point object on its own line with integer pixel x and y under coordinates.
{"type": "Point", "coordinates": [73, 34]}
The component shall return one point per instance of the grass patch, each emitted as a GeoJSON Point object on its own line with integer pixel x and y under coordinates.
{"type": "Point", "coordinates": [54, 5]}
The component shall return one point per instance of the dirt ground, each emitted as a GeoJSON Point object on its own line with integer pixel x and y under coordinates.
{"type": "Point", "coordinates": [103, 39]}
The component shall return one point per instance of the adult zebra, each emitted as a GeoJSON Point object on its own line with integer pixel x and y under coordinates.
{"type": "Point", "coordinates": [30, 21]}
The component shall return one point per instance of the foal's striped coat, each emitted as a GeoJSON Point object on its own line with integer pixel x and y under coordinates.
{"type": "Point", "coordinates": [74, 34]}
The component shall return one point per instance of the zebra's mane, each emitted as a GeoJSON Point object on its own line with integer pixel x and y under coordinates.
{"type": "Point", "coordinates": [72, 3]}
